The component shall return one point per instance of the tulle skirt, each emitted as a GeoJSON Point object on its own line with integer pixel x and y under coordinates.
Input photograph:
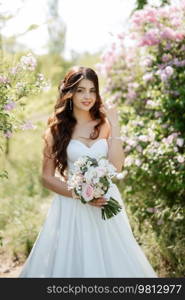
{"type": "Point", "coordinates": [76, 242]}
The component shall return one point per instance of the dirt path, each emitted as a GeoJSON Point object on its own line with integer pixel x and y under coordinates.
{"type": "Point", "coordinates": [10, 270]}
{"type": "Point", "coordinates": [11, 267]}
{"type": "Point", "coordinates": [11, 273]}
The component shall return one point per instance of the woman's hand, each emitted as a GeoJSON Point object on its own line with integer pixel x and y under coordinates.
{"type": "Point", "coordinates": [74, 195]}
{"type": "Point", "coordinates": [111, 112]}
{"type": "Point", "coordinates": [99, 202]}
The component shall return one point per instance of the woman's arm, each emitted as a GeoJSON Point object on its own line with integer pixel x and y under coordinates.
{"type": "Point", "coordinates": [49, 180]}
{"type": "Point", "coordinates": [115, 152]}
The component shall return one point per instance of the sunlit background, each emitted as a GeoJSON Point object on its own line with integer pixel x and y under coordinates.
{"type": "Point", "coordinates": [39, 41]}
{"type": "Point", "coordinates": [89, 24]}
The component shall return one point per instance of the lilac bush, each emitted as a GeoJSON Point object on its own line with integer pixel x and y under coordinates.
{"type": "Point", "coordinates": [145, 75]}
{"type": "Point", "coordinates": [17, 81]}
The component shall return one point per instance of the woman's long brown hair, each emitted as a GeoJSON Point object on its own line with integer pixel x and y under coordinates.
{"type": "Point", "coordinates": [62, 122]}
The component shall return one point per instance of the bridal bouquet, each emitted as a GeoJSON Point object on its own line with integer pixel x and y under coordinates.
{"type": "Point", "coordinates": [90, 179]}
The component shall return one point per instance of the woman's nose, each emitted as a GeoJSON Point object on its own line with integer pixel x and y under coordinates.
{"type": "Point", "coordinates": [87, 95]}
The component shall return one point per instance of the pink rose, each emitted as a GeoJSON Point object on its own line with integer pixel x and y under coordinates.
{"type": "Point", "coordinates": [87, 192]}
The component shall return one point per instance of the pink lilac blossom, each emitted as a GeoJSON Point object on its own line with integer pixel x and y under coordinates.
{"type": "Point", "coordinates": [168, 46]}
{"type": "Point", "coordinates": [182, 48]}
{"type": "Point", "coordinates": [131, 142]}
{"type": "Point", "coordinates": [121, 36]}
{"type": "Point", "coordinates": [140, 17]}
{"type": "Point", "coordinates": [168, 33]}
{"type": "Point", "coordinates": [148, 76]}
{"type": "Point", "coordinates": [150, 38]}
{"type": "Point", "coordinates": [143, 138]}
{"type": "Point", "coordinates": [151, 103]}
{"type": "Point", "coordinates": [179, 63]}
{"type": "Point", "coordinates": [139, 148]}
{"type": "Point", "coordinates": [152, 209]}
{"type": "Point", "coordinates": [40, 76]}
{"type": "Point", "coordinates": [158, 114]}
{"type": "Point", "coordinates": [169, 71]}
{"type": "Point", "coordinates": [127, 148]}
{"type": "Point", "coordinates": [133, 85]}
{"type": "Point", "coordinates": [147, 62]}
{"type": "Point", "coordinates": [180, 158]}
{"type": "Point", "coordinates": [138, 162]}
{"type": "Point", "coordinates": [170, 139]}
{"type": "Point", "coordinates": [129, 160]}
{"type": "Point", "coordinates": [180, 142]}
{"type": "Point", "coordinates": [165, 73]}
{"type": "Point", "coordinates": [175, 22]}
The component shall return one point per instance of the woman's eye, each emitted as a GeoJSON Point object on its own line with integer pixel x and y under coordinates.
{"type": "Point", "coordinates": [79, 91]}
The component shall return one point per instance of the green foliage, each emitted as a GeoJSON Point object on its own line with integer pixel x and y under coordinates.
{"type": "Point", "coordinates": [141, 3]}
{"type": "Point", "coordinates": [147, 81]}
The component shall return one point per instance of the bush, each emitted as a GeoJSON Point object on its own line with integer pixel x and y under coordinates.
{"type": "Point", "coordinates": [147, 79]}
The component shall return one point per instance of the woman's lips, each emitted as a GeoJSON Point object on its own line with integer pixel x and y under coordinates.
{"type": "Point", "coordinates": [86, 103]}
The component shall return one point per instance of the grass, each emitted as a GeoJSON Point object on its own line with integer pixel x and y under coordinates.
{"type": "Point", "coordinates": [24, 200]}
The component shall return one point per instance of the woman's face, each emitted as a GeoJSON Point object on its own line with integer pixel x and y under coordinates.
{"type": "Point", "coordinates": [85, 95]}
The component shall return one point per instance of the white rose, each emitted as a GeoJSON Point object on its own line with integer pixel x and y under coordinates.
{"type": "Point", "coordinates": [90, 174]}
{"type": "Point", "coordinates": [101, 171]}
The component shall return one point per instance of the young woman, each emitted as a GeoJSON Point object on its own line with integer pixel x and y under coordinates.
{"type": "Point", "coordinates": [75, 241]}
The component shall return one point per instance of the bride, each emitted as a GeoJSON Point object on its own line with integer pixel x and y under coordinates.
{"type": "Point", "coordinates": [74, 240]}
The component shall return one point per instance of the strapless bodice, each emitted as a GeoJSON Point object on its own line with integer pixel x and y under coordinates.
{"type": "Point", "coordinates": [76, 149]}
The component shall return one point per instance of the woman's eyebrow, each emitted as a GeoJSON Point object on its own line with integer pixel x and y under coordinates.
{"type": "Point", "coordinates": [81, 87]}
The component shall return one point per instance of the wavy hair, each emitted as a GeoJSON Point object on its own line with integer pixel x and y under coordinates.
{"type": "Point", "coordinates": [62, 122]}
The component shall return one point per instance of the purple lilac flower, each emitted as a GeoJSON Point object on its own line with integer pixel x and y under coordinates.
{"type": "Point", "coordinates": [166, 57]}
{"type": "Point", "coordinates": [131, 94]}
{"type": "Point", "coordinates": [4, 79]}
{"type": "Point", "coordinates": [8, 134]}
{"type": "Point", "coordinates": [28, 62]}
{"type": "Point", "coordinates": [27, 125]}
{"type": "Point", "coordinates": [14, 70]}
{"type": "Point", "coordinates": [9, 105]}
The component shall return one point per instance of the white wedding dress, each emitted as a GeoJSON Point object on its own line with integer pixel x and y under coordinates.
{"type": "Point", "coordinates": [76, 242]}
